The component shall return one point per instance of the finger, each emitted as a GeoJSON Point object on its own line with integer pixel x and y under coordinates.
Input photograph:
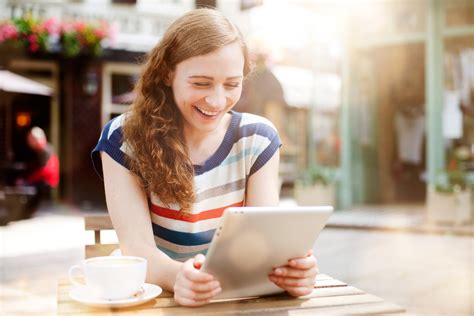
{"type": "Point", "coordinates": [184, 301]}
{"type": "Point", "coordinates": [293, 282]}
{"type": "Point", "coordinates": [310, 253]}
{"type": "Point", "coordinates": [199, 296]}
{"type": "Point", "coordinates": [199, 260]}
{"type": "Point", "coordinates": [299, 291]}
{"type": "Point", "coordinates": [295, 273]}
{"type": "Point", "coordinates": [204, 287]}
{"type": "Point", "coordinates": [195, 275]}
{"type": "Point", "coordinates": [197, 286]}
{"type": "Point", "coordinates": [303, 263]}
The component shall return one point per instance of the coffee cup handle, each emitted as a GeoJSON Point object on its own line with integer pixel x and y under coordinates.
{"type": "Point", "coordinates": [72, 276]}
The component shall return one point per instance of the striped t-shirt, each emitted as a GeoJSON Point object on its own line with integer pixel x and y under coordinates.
{"type": "Point", "coordinates": [249, 143]}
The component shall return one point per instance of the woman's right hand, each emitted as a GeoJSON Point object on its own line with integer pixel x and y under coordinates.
{"type": "Point", "coordinates": [194, 287]}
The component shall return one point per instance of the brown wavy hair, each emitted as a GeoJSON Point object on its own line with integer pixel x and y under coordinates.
{"type": "Point", "coordinates": [153, 128]}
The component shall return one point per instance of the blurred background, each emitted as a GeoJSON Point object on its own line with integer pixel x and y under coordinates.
{"type": "Point", "coordinates": [373, 100]}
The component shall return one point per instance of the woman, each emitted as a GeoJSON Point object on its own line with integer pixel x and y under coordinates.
{"type": "Point", "coordinates": [181, 156]}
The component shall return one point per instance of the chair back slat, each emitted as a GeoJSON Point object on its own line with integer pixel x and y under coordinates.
{"type": "Point", "coordinates": [97, 223]}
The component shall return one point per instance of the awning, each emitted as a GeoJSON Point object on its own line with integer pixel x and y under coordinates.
{"type": "Point", "coordinates": [11, 82]}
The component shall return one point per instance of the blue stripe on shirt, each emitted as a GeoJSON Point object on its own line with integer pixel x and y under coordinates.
{"type": "Point", "coordinates": [244, 131]}
{"type": "Point", "coordinates": [181, 256]}
{"type": "Point", "coordinates": [184, 239]}
{"type": "Point", "coordinates": [111, 145]}
{"type": "Point", "coordinates": [265, 156]}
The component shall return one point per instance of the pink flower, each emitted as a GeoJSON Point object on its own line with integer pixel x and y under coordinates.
{"type": "Point", "coordinates": [52, 26]}
{"type": "Point", "coordinates": [33, 40]}
{"type": "Point", "coordinates": [80, 26]}
{"type": "Point", "coordinates": [66, 27]}
{"type": "Point", "coordinates": [7, 32]}
{"type": "Point", "coordinates": [112, 34]}
{"type": "Point", "coordinates": [100, 33]}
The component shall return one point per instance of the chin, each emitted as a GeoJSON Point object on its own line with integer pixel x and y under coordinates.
{"type": "Point", "coordinates": [207, 128]}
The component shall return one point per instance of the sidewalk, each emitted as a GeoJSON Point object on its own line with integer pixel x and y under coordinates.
{"type": "Point", "coordinates": [396, 218]}
{"type": "Point", "coordinates": [409, 218]}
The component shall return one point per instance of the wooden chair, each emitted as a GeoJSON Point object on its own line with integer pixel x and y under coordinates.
{"type": "Point", "coordinates": [97, 223]}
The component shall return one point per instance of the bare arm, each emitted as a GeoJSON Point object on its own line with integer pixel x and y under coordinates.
{"type": "Point", "coordinates": [262, 186]}
{"type": "Point", "coordinates": [128, 209]}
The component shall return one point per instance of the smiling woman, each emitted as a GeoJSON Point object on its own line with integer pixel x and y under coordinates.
{"type": "Point", "coordinates": [181, 156]}
{"type": "Point", "coordinates": [205, 88]}
{"type": "Point", "coordinates": [202, 44]}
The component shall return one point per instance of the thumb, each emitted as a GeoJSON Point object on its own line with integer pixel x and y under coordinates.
{"type": "Point", "coordinates": [198, 261]}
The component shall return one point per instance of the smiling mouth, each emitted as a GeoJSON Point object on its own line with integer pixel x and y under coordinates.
{"type": "Point", "coordinates": [206, 113]}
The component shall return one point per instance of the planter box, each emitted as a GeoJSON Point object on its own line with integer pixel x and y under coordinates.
{"type": "Point", "coordinates": [452, 208]}
{"type": "Point", "coordinates": [315, 195]}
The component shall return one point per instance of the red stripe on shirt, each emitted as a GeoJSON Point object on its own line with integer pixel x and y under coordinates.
{"type": "Point", "coordinates": [192, 218]}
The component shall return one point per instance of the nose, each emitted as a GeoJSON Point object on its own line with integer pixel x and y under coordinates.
{"type": "Point", "coordinates": [216, 98]}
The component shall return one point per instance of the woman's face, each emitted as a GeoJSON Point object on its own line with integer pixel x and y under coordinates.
{"type": "Point", "coordinates": [206, 87]}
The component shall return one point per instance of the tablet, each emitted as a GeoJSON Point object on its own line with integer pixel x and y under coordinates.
{"type": "Point", "coordinates": [251, 241]}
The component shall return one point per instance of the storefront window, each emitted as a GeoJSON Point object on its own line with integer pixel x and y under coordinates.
{"type": "Point", "coordinates": [458, 106]}
{"type": "Point", "coordinates": [122, 89]}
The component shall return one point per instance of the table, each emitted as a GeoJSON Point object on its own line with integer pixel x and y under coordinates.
{"type": "Point", "coordinates": [330, 296]}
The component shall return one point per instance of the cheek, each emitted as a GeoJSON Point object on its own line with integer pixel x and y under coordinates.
{"type": "Point", "coordinates": [194, 97]}
{"type": "Point", "coordinates": [184, 97]}
{"type": "Point", "coordinates": [235, 95]}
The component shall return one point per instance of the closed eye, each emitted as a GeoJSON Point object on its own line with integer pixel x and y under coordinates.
{"type": "Point", "coordinates": [233, 85]}
{"type": "Point", "coordinates": [201, 84]}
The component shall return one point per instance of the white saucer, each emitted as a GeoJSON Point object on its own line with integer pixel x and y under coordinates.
{"type": "Point", "coordinates": [80, 295]}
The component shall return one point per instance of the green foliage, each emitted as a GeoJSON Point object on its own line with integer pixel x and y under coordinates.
{"type": "Point", "coordinates": [456, 177]}
{"type": "Point", "coordinates": [71, 45]}
{"type": "Point", "coordinates": [320, 175]}
{"type": "Point", "coordinates": [451, 181]}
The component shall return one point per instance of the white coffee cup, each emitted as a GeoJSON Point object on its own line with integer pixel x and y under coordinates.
{"type": "Point", "coordinates": [110, 277]}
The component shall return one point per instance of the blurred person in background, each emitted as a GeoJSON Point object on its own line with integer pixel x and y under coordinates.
{"type": "Point", "coordinates": [261, 90]}
{"type": "Point", "coordinates": [42, 171]}
{"type": "Point", "coordinates": [262, 94]}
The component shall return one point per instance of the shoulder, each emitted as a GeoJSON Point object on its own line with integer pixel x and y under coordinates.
{"type": "Point", "coordinates": [113, 127]}
{"type": "Point", "coordinates": [251, 124]}
{"type": "Point", "coordinates": [111, 141]}
{"type": "Point", "coordinates": [259, 138]}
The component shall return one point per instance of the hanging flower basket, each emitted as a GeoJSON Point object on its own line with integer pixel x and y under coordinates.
{"type": "Point", "coordinates": [68, 38]}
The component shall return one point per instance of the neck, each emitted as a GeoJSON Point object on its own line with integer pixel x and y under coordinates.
{"type": "Point", "coordinates": [195, 138]}
{"type": "Point", "coordinates": [202, 144]}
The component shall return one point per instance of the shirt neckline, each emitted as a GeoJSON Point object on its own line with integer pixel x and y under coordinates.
{"type": "Point", "coordinates": [224, 148]}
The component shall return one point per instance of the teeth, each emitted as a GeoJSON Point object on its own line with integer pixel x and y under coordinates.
{"type": "Point", "coordinates": [207, 112]}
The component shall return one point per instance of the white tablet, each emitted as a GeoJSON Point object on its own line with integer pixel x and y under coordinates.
{"type": "Point", "coordinates": [251, 241]}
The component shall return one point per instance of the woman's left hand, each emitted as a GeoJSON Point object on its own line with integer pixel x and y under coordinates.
{"type": "Point", "coordinates": [298, 277]}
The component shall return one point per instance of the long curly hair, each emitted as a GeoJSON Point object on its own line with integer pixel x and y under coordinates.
{"type": "Point", "coordinates": [153, 128]}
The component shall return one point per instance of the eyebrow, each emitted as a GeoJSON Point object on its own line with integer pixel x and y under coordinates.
{"type": "Point", "coordinates": [211, 78]}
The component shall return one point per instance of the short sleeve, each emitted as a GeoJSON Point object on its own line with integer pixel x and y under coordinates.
{"type": "Point", "coordinates": [264, 141]}
{"type": "Point", "coordinates": [111, 142]}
